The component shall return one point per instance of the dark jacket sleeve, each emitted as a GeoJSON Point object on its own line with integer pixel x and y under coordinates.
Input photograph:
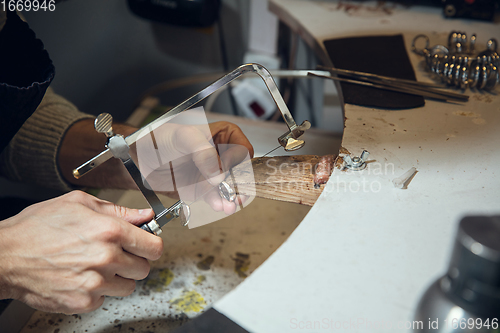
{"type": "Point", "coordinates": [30, 139]}
{"type": "Point", "coordinates": [26, 72]}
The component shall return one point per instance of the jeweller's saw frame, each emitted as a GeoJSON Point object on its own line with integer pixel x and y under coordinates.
{"type": "Point", "coordinates": [289, 140]}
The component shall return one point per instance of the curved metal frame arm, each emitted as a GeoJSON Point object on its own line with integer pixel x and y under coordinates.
{"type": "Point", "coordinates": [289, 140]}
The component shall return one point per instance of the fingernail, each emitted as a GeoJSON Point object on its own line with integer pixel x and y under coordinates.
{"type": "Point", "coordinates": [145, 211]}
{"type": "Point", "coordinates": [214, 174]}
{"type": "Point", "coordinates": [216, 177]}
{"type": "Point", "coordinates": [216, 180]}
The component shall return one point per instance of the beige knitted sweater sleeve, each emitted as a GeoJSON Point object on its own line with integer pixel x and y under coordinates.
{"type": "Point", "coordinates": [31, 155]}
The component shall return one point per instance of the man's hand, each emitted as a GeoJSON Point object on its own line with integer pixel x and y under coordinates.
{"type": "Point", "coordinates": [225, 133]}
{"type": "Point", "coordinates": [189, 161]}
{"type": "Point", "coordinates": [82, 142]}
{"type": "Point", "coordinates": [173, 142]}
{"type": "Point", "coordinates": [66, 254]}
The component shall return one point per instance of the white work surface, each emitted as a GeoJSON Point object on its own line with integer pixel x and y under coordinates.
{"type": "Point", "coordinates": [365, 253]}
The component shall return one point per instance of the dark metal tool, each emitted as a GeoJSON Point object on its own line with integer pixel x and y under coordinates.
{"type": "Point", "coordinates": [120, 149]}
{"type": "Point", "coordinates": [399, 87]}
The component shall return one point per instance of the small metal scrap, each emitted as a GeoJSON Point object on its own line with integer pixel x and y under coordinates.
{"type": "Point", "coordinates": [356, 163]}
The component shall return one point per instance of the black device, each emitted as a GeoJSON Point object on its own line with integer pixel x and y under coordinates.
{"type": "Point", "coordinates": [194, 13]}
{"type": "Point", "coordinates": [475, 9]}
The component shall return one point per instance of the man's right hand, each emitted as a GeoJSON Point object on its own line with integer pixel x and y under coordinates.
{"type": "Point", "coordinates": [66, 254]}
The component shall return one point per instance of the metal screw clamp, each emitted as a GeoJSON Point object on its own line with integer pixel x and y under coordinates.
{"type": "Point", "coordinates": [103, 123]}
{"type": "Point", "coordinates": [356, 163]}
{"type": "Point", "coordinates": [154, 227]}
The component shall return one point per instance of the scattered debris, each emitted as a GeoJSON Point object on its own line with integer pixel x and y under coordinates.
{"type": "Point", "coordinates": [165, 277]}
{"type": "Point", "coordinates": [199, 279]}
{"type": "Point", "coordinates": [205, 264]}
{"type": "Point", "coordinates": [189, 301]}
{"type": "Point", "coordinates": [241, 264]}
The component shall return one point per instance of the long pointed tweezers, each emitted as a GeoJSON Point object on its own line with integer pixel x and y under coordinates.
{"type": "Point", "coordinates": [420, 91]}
{"type": "Point", "coordinates": [349, 72]}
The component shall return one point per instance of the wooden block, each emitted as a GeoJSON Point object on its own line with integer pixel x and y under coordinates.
{"type": "Point", "coordinates": [282, 178]}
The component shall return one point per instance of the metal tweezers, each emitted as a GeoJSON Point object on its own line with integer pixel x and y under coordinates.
{"type": "Point", "coordinates": [389, 83]}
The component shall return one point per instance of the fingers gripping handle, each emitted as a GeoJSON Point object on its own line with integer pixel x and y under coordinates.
{"type": "Point", "coordinates": [120, 149]}
{"type": "Point", "coordinates": [146, 228]}
{"type": "Point", "coordinates": [179, 209]}
{"type": "Point", "coordinates": [152, 227]}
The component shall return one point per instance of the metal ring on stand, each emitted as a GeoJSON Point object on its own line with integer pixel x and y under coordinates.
{"type": "Point", "coordinates": [414, 48]}
{"type": "Point", "coordinates": [457, 70]}
{"type": "Point", "coordinates": [491, 45]}
{"type": "Point", "coordinates": [456, 65]}
{"type": "Point", "coordinates": [475, 70]}
{"type": "Point", "coordinates": [483, 74]}
{"type": "Point", "coordinates": [472, 43]}
{"type": "Point", "coordinates": [463, 78]}
{"type": "Point", "coordinates": [493, 76]}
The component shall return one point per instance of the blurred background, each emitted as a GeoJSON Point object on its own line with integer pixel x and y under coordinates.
{"type": "Point", "coordinates": [108, 58]}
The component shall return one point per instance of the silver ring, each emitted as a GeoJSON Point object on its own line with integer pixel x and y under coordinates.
{"type": "Point", "coordinates": [414, 48]}
{"type": "Point", "coordinates": [227, 192]}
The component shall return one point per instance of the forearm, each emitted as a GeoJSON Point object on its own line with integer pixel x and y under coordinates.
{"type": "Point", "coordinates": [32, 153]}
{"type": "Point", "coordinates": [56, 139]}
